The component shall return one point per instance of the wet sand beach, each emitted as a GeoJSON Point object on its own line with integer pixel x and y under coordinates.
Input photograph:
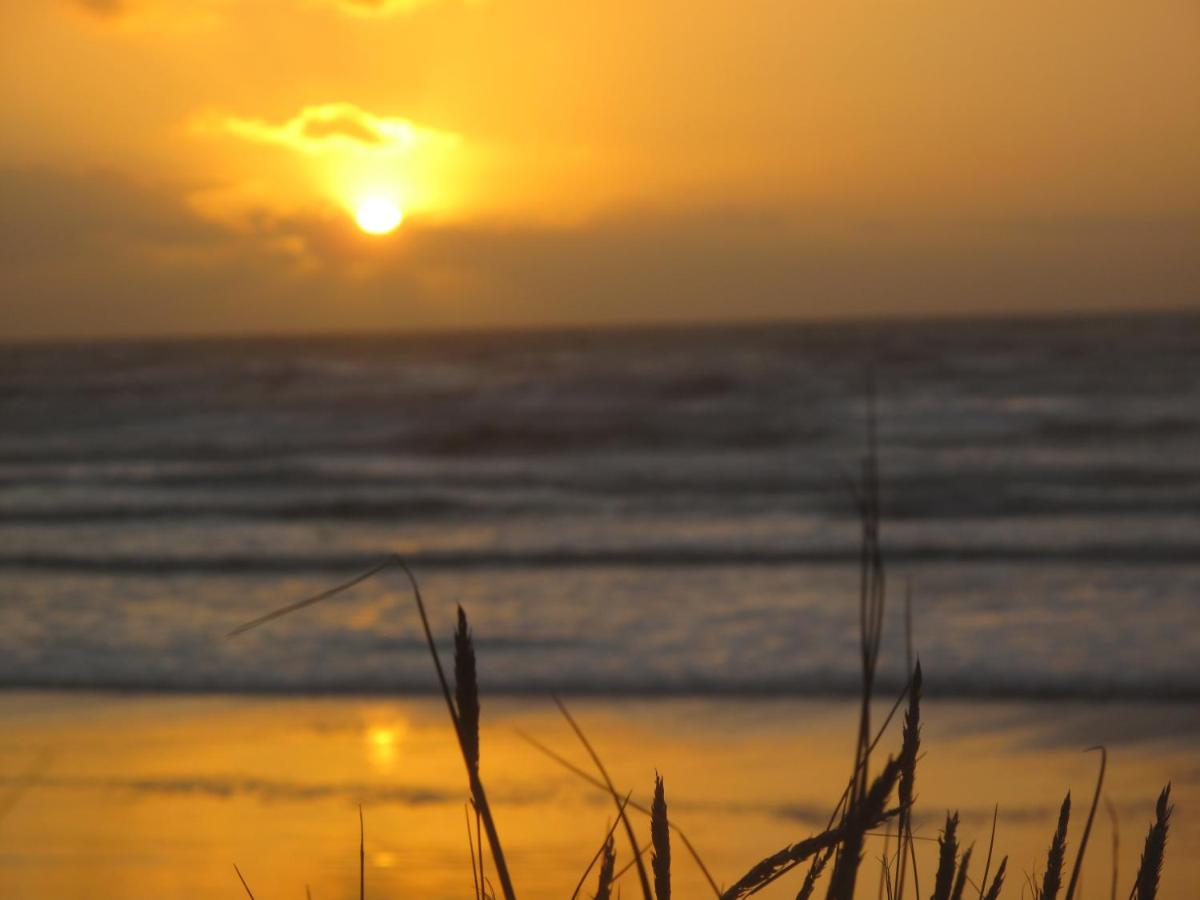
{"type": "Point", "coordinates": [127, 795]}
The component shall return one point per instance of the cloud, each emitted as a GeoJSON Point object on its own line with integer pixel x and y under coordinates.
{"type": "Point", "coordinates": [159, 16]}
{"type": "Point", "coordinates": [270, 790]}
{"type": "Point", "coordinates": [94, 254]}
{"type": "Point", "coordinates": [102, 8]}
{"type": "Point", "coordinates": [339, 126]}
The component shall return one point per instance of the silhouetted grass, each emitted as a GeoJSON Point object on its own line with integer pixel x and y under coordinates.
{"type": "Point", "coordinates": [943, 882]}
{"type": "Point", "coordinates": [1052, 879]}
{"type": "Point", "coordinates": [242, 879]}
{"type": "Point", "coordinates": [660, 835]}
{"type": "Point", "coordinates": [997, 882]}
{"type": "Point", "coordinates": [1087, 828]}
{"type": "Point", "coordinates": [865, 804]}
{"type": "Point", "coordinates": [607, 856]}
{"type": "Point", "coordinates": [1150, 869]}
{"type": "Point", "coordinates": [604, 884]}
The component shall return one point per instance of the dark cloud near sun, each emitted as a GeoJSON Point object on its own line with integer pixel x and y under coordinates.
{"type": "Point", "coordinates": [91, 254]}
{"type": "Point", "coordinates": [46, 213]}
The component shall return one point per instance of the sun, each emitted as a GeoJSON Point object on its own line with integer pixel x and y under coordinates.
{"type": "Point", "coordinates": [378, 215]}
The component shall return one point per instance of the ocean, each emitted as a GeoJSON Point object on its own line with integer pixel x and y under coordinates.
{"type": "Point", "coordinates": [650, 511]}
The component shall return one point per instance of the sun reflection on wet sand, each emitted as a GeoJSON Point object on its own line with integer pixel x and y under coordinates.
{"type": "Point", "coordinates": [384, 742]}
{"type": "Point", "coordinates": [157, 796]}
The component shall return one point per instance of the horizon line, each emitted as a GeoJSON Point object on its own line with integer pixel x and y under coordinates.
{"type": "Point", "coordinates": [813, 321]}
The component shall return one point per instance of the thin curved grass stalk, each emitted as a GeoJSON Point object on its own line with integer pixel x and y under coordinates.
{"type": "Point", "coordinates": [362, 856]}
{"type": "Point", "coordinates": [471, 850]}
{"type": "Point", "coordinates": [478, 794]}
{"type": "Point", "coordinates": [943, 882]}
{"type": "Point", "coordinates": [633, 845]}
{"type": "Point", "coordinates": [633, 804]}
{"type": "Point", "coordinates": [605, 882]}
{"type": "Point", "coordinates": [1150, 868]}
{"type": "Point", "coordinates": [987, 866]}
{"type": "Point", "coordinates": [1087, 828]}
{"type": "Point", "coordinates": [479, 847]}
{"type": "Point", "coordinates": [872, 594]}
{"type": "Point", "coordinates": [241, 878]}
{"type": "Point", "coordinates": [605, 843]}
{"type": "Point", "coordinates": [660, 836]}
{"type": "Point", "coordinates": [997, 882]}
{"type": "Point", "coordinates": [1116, 848]}
{"type": "Point", "coordinates": [912, 858]}
{"type": "Point", "coordinates": [908, 627]}
{"type": "Point", "coordinates": [885, 875]}
{"type": "Point", "coordinates": [960, 879]}
{"type": "Point", "coordinates": [316, 598]}
{"type": "Point", "coordinates": [1052, 880]}
{"type": "Point", "coordinates": [885, 881]}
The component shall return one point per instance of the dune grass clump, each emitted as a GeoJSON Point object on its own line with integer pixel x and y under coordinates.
{"type": "Point", "coordinates": [871, 800]}
{"type": "Point", "coordinates": [866, 805]}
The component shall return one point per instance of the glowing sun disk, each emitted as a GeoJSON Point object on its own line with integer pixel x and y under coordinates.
{"type": "Point", "coordinates": [378, 215]}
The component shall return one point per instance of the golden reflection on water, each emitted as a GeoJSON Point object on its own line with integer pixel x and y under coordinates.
{"type": "Point", "coordinates": [120, 797]}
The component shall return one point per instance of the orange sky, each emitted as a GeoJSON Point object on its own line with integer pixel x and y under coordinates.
{"type": "Point", "coordinates": [194, 166]}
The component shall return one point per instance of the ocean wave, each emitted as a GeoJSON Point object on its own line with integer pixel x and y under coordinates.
{"type": "Point", "coordinates": [832, 505]}
{"type": "Point", "coordinates": [653, 557]}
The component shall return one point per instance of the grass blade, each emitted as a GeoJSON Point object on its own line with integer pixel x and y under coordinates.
{"type": "Point", "coordinates": [1052, 880]}
{"type": "Point", "coordinates": [616, 798]}
{"type": "Point", "coordinates": [1150, 869]}
{"type": "Point", "coordinates": [249, 892]}
{"type": "Point", "coordinates": [909, 750]}
{"type": "Point", "coordinates": [943, 882]}
{"type": "Point", "coordinates": [466, 690]}
{"type": "Point", "coordinates": [1087, 828]}
{"type": "Point", "coordinates": [633, 804]}
{"type": "Point", "coordinates": [478, 794]}
{"type": "Point", "coordinates": [660, 836]}
{"type": "Point", "coordinates": [1116, 848]}
{"type": "Point", "coordinates": [960, 880]}
{"type": "Point", "coordinates": [606, 844]}
{"type": "Point", "coordinates": [997, 882]}
{"type": "Point", "coordinates": [605, 882]}
{"type": "Point", "coordinates": [471, 850]}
